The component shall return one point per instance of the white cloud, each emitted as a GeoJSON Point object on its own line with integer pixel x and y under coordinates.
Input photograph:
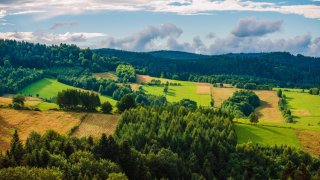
{"type": "Point", "coordinates": [50, 38]}
{"type": "Point", "coordinates": [184, 7]}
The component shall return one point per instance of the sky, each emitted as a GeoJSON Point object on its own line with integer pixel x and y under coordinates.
{"type": "Point", "coordinates": [197, 26]}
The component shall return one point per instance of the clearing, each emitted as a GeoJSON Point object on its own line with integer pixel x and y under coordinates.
{"type": "Point", "coordinates": [96, 124]}
{"type": "Point", "coordinates": [106, 75]}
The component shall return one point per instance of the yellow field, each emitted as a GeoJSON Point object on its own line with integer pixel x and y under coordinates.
{"type": "Point", "coordinates": [27, 121]}
{"type": "Point", "coordinates": [221, 94]}
{"type": "Point", "coordinates": [30, 101]}
{"type": "Point", "coordinates": [310, 141]}
{"type": "Point", "coordinates": [268, 110]}
{"type": "Point", "coordinates": [96, 124]}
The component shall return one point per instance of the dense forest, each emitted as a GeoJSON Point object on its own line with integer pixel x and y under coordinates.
{"type": "Point", "coordinates": [171, 142]}
{"type": "Point", "coordinates": [279, 68]}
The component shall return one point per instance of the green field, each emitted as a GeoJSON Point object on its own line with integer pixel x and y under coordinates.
{"type": "Point", "coordinates": [266, 135]}
{"type": "Point", "coordinates": [49, 88]}
{"type": "Point", "coordinates": [305, 107]}
{"type": "Point", "coordinates": [186, 90]}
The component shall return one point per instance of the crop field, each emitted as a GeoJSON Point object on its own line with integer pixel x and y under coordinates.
{"type": "Point", "coordinates": [221, 94]}
{"type": "Point", "coordinates": [27, 121]}
{"type": "Point", "coordinates": [49, 88]}
{"type": "Point", "coordinates": [268, 110]}
{"type": "Point", "coordinates": [305, 107]}
{"type": "Point", "coordinates": [96, 124]}
{"type": "Point", "coordinates": [266, 135]}
{"type": "Point", "coordinates": [310, 141]}
{"type": "Point", "coordinates": [186, 90]}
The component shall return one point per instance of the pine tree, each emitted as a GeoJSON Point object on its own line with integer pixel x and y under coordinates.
{"type": "Point", "coordinates": [16, 149]}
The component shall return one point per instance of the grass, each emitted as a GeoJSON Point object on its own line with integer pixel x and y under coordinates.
{"type": "Point", "coordinates": [48, 88]}
{"type": "Point", "coordinates": [266, 135]}
{"type": "Point", "coordinates": [177, 93]}
{"type": "Point", "coordinates": [305, 107]}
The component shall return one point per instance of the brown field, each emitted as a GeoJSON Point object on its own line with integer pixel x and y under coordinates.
{"type": "Point", "coordinates": [106, 75]}
{"type": "Point", "coordinates": [134, 86]}
{"type": "Point", "coordinates": [203, 88]}
{"type": "Point", "coordinates": [27, 121]}
{"type": "Point", "coordinates": [268, 110]}
{"type": "Point", "coordinates": [30, 101]}
{"type": "Point", "coordinates": [143, 78]}
{"type": "Point", "coordinates": [310, 141]}
{"type": "Point", "coordinates": [96, 124]}
{"type": "Point", "coordinates": [221, 94]}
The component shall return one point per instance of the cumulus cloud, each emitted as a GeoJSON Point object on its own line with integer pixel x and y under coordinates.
{"type": "Point", "coordinates": [141, 40]}
{"type": "Point", "coordinates": [186, 7]}
{"type": "Point", "coordinates": [50, 38]}
{"type": "Point", "coordinates": [253, 27]}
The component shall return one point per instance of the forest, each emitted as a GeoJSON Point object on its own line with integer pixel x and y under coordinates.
{"type": "Point", "coordinates": [156, 142]}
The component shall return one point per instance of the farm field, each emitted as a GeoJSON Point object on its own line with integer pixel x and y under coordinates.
{"type": "Point", "coordinates": [221, 94]}
{"type": "Point", "coordinates": [305, 107]}
{"type": "Point", "coordinates": [268, 110]}
{"type": "Point", "coordinates": [49, 88]}
{"type": "Point", "coordinates": [266, 135]}
{"type": "Point", "coordinates": [96, 124]}
{"type": "Point", "coordinates": [186, 90]}
{"type": "Point", "coordinates": [27, 121]}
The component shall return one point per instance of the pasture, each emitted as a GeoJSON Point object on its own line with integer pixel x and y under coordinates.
{"type": "Point", "coordinates": [48, 88]}
{"type": "Point", "coordinates": [186, 90]}
{"type": "Point", "coordinates": [304, 107]}
{"type": "Point", "coordinates": [266, 135]}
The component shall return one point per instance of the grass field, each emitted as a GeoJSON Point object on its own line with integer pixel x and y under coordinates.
{"type": "Point", "coordinates": [96, 124]}
{"type": "Point", "coordinates": [186, 90]}
{"type": "Point", "coordinates": [266, 135]}
{"type": "Point", "coordinates": [49, 88]}
{"type": "Point", "coordinates": [305, 107]}
{"type": "Point", "coordinates": [27, 121]}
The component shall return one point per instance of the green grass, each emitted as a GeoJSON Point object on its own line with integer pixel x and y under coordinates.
{"type": "Point", "coordinates": [187, 90]}
{"type": "Point", "coordinates": [45, 106]}
{"type": "Point", "coordinates": [49, 88]}
{"type": "Point", "coordinates": [308, 107]}
{"type": "Point", "coordinates": [266, 135]}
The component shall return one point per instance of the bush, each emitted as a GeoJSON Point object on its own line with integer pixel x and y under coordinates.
{"type": "Point", "coordinates": [106, 107]}
{"type": "Point", "coordinates": [126, 102]}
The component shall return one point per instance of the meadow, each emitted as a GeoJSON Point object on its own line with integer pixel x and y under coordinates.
{"type": "Point", "coordinates": [48, 88]}
{"type": "Point", "coordinates": [266, 135]}
{"type": "Point", "coordinates": [304, 107]}
{"type": "Point", "coordinates": [186, 90]}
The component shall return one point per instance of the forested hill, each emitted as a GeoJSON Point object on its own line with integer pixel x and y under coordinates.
{"type": "Point", "coordinates": [275, 69]}
{"type": "Point", "coordinates": [281, 67]}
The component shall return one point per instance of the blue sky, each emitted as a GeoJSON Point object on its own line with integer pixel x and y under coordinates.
{"type": "Point", "coordinates": [200, 26]}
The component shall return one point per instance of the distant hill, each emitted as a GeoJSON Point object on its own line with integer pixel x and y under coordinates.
{"type": "Point", "coordinates": [177, 55]}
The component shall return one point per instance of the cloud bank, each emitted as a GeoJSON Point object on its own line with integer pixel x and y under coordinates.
{"type": "Point", "coordinates": [49, 9]}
